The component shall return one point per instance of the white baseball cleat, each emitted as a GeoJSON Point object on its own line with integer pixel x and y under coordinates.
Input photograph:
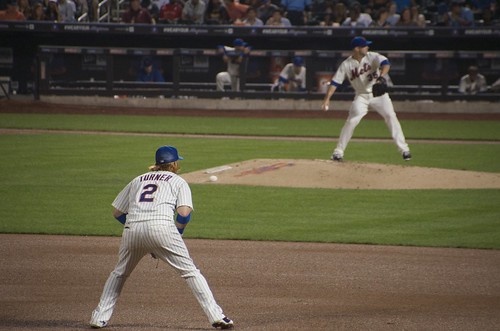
{"type": "Point", "coordinates": [98, 325]}
{"type": "Point", "coordinates": [224, 324]}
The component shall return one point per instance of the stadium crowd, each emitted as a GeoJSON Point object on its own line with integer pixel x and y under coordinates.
{"type": "Point", "coordinates": [362, 13]}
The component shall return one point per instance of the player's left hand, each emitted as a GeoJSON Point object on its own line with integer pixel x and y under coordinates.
{"type": "Point", "coordinates": [380, 87]}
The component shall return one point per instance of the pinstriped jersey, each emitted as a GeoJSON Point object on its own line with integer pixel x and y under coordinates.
{"type": "Point", "coordinates": [362, 75]}
{"type": "Point", "coordinates": [154, 195]}
{"type": "Point", "coordinates": [289, 74]}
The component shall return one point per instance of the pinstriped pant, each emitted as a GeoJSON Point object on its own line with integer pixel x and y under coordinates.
{"type": "Point", "coordinates": [162, 239]}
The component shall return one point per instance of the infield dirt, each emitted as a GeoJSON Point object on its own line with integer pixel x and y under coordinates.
{"type": "Point", "coordinates": [54, 282]}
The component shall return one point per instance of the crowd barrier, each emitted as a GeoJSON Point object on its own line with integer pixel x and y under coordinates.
{"type": "Point", "coordinates": [112, 71]}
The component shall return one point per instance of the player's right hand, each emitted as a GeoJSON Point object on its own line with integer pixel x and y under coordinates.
{"type": "Point", "coordinates": [325, 106]}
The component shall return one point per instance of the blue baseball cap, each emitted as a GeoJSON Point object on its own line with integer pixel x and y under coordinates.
{"type": "Point", "coordinates": [167, 154]}
{"type": "Point", "coordinates": [239, 42]}
{"type": "Point", "coordinates": [298, 61]}
{"type": "Point", "coordinates": [360, 42]}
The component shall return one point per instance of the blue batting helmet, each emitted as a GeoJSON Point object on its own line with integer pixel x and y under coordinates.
{"type": "Point", "coordinates": [167, 154]}
{"type": "Point", "coordinates": [298, 61]}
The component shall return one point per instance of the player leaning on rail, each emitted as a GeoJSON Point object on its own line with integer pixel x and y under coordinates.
{"type": "Point", "coordinates": [365, 71]}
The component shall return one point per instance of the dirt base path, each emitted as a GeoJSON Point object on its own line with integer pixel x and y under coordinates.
{"type": "Point", "coordinates": [54, 282]}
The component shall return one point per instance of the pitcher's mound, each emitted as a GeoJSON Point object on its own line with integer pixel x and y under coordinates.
{"type": "Point", "coordinates": [348, 175]}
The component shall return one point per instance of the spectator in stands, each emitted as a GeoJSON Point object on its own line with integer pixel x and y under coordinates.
{"type": "Point", "coordinates": [37, 12]}
{"type": "Point", "coordinates": [459, 15]}
{"type": "Point", "coordinates": [52, 11]}
{"type": "Point", "coordinates": [473, 82]}
{"type": "Point", "coordinates": [380, 19]}
{"type": "Point", "coordinates": [277, 19]}
{"type": "Point", "coordinates": [93, 10]}
{"type": "Point", "coordinates": [417, 17]}
{"type": "Point", "coordinates": [153, 9]}
{"type": "Point", "coordinates": [339, 14]}
{"type": "Point", "coordinates": [481, 4]}
{"type": "Point", "coordinates": [216, 13]}
{"type": "Point", "coordinates": [12, 12]}
{"type": "Point", "coordinates": [25, 8]}
{"type": "Point", "coordinates": [377, 4]}
{"type": "Point", "coordinates": [266, 10]}
{"type": "Point", "coordinates": [137, 14]}
{"type": "Point", "coordinates": [292, 78]}
{"type": "Point", "coordinates": [297, 11]}
{"type": "Point", "coordinates": [357, 17]}
{"type": "Point", "coordinates": [402, 4]}
{"type": "Point", "coordinates": [406, 19]}
{"type": "Point", "coordinates": [486, 18]}
{"type": "Point", "coordinates": [235, 10]}
{"type": "Point", "coordinates": [233, 57]}
{"type": "Point", "coordinates": [393, 16]}
{"type": "Point", "coordinates": [149, 73]}
{"type": "Point", "coordinates": [171, 12]}
{"type": "Point", "coordinates": [67, 11]}
{"type": "Point", "coordinates": [252, 19]}
{"type": "Point", "coordinates": [82, 8]}
{"type": "Point", "coordinates": [321, 9]}
{"type": "Point", "coordinates": [442, 17]}
{"type": "Point", "coordinates": [194, 12]}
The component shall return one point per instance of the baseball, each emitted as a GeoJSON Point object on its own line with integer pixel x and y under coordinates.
{"type": "Point", "coordinates": [213, 178]}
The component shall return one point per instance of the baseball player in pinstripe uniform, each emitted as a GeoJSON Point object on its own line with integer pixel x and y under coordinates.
{"type": "Point", "coordinates": [147, 207]}
{"type": "Point", "coordinates": [364, 70]}
{"type": "Point", "coordinates": [234, 57]}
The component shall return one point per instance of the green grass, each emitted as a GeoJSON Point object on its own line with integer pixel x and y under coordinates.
{"type": "Point", "coordinates": [456, 218]}
{"type": "Point", "coordinates": [64, 184]}
{"type": "Point", "coordinates": [459, 130]}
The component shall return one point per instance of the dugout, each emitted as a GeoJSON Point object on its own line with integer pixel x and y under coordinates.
{"type": "Point", "coordinates": [426, 63]}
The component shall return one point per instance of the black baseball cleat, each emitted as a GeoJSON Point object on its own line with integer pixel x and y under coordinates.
{"type": "Point", "coordinates": [336, 157]}
{"type": "Point", "coordinates": [406, 156]}
{"type": "Point", "coordinates": [223, 324]}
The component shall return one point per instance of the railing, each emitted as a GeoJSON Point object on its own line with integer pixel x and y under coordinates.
{"type": "Point", "coordinates": [192, 73]}
{"type": "Point", "coordinates": [104, 11]}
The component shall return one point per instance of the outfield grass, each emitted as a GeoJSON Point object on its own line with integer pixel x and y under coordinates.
{"type": "Point", "coordinates": [64, 184]}
{"type": "Point", "coordinates": [457, 130]}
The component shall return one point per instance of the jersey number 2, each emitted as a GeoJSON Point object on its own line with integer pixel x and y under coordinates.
{"type": "Point", "coordinates": [147, 193]}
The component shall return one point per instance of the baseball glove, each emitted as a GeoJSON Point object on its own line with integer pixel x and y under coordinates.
{"type": "Point", "coordinates": [380, 87]}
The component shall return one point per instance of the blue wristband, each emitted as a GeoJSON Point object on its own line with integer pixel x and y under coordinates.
{"type": "Point", "coordinates": [183, 220]}
{"type": "Point", "coordinates": [122, 218]}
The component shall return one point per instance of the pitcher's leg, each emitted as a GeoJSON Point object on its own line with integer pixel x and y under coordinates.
{"type": "Point", "coordinates": [359, 108]}
{"type": "Point", "coordinates": [383, 105]}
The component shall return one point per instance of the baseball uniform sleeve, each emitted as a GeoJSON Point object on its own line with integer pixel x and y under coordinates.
{"type": "Point", "coordinates": [284, 74]}
{"type": "Point", "coordinates": [121, 202]}
{"type": "Point", "coordinates": [184, 197]}
{"type": "Point", "coordinates": [381, 60]}
{"type": "Point", "coordinates": [339, 76]}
